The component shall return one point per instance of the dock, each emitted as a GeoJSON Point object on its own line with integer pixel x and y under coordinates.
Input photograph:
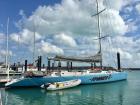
{"type": "Point", "coordinates": [11, 74]}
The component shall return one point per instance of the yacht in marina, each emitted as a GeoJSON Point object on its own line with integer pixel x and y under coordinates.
{"type": "Point", "coordinates": [89, 76]}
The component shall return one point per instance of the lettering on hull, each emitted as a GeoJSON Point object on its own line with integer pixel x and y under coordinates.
{"type": "Point", "coordinates": [101, 78]}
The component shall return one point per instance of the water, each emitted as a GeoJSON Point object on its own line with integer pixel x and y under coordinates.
{"type": "Point", "coordinates": [117, 93]}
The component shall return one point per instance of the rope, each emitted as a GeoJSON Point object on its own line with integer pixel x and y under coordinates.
{"type": "Point", "coordinates": [112, 51]}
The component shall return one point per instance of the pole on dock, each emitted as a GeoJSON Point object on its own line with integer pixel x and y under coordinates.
{"type": "Point", "coordinates": [39, 63]}
{"type": "Point", "coordinates": [59, 67]}
{"type": "Point", "coordinates": [94, 64]}
{"type": "Point", "coordinates": [48, 67]}
{"type": "Point", "coordinates": [71, 66]}
{"type": "Point", "coordinates": [59, 64]}
{"type": "Point", "coordinates": [43, 66]}
{"type": "Point", "coordinates": [68, 65]}
{"type": "Point", "coordinates": [118, 60]}
{"type": "Point", "coordinates": [91, 65]}
{"type": "Point", "coordinates": [25, 65]}
{"type": "Point", "coordinates": [52, 66]}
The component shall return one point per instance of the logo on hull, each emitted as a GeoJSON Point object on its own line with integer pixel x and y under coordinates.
{"type": "Point", "coordinates": [101, 78]}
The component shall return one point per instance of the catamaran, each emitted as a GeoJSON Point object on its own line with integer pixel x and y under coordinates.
{"type": "Point", "coordinates": [86, 76]}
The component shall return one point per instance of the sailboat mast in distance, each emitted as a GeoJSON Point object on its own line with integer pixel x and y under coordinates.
{"type": "Point", "coordinates": [7, 43]}
{"type": "Point", "coordinates": [7, 47]}
{"type": "Point", "coordinates": [34, 45]}
{"type": "Point", "coordinates": [99, 31]}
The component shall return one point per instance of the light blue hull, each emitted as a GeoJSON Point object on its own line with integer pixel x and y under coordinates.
{"type": "Point", "coordinates": [85, 79]}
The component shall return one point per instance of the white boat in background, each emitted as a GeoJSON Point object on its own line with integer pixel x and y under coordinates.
{"type": "Point", "coordinates": [5, 80]}
{"type": "Point", "coordinates": [61, 85]}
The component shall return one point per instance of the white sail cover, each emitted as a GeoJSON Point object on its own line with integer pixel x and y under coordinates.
{"type": "Point", "coordinates": [95, 58]}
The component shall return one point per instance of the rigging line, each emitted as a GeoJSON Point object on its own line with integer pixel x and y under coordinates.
{"type": "Point", "coordinates": [110, 41]}
{"type": "Point", "coordinates": [108, 16]}
{"type": "Point", "coordinates": [106, 47]}
{"type": "Point", "coordinates": [98, 12]}
{"type": "Point", "coordinates": [110, 48]}
{"type": "Point", "coordinates": [103, 37]}
{"type": "Point", "coordinates": [108, 52]}
{"type": "Point", "coordinates": [109, 22]}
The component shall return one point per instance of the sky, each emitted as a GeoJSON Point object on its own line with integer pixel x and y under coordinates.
{"type": "Point", "coordinates": [67, 27]}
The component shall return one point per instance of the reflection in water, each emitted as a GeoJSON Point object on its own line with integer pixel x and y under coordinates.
{"type": "Point", "coordinates": [98, 94]}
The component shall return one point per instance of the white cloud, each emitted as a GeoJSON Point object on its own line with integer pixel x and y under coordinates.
{"type": "Point", "coordinates": [25, 36]}
{"type": "Point", "coordinates": [73, 17]}
{"type": "Point", "coordinates": [47, 48]}
{"type": "Point", "coordinates": [64, 40]}
{"type": "Point", "coordinates": [138, 8]}
{"type": "Point", "coordinates": [114, 4]}
{"type": "Point", "coordinates": [124, 54]}
{"type": "Point", "coordinates": [114, 24]}
{"type": "Point", "coordinates": [4, 53]}
{"type": "Point", "coordinates": [120, 44]}
{"type": "Point", "coordinates": [128, 48]}
{"type": "Point", "coordinates": [124, 42]}
{"type": "Point", "coordinates": [132, 27]}
{"type": "Point", "coordinates": [2, 38]}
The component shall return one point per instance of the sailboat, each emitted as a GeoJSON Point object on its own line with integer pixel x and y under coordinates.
{"type": "Point", "coordinates": [86, 76]}
{"type": "Point", "coordinates": [7, 79]}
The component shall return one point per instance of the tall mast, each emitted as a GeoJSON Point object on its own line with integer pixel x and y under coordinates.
{"type": "Point", "coordinates": [99, 31]}
{"type": "Point", "coordinates": [18, 48]}
{"type": "Point", "coordinates": [7, 52]}
{"type": "Point", "coordinates": [34, 46]}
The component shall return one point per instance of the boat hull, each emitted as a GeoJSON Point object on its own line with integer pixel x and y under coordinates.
{"type": "Point", "coordinates": [85, 79]}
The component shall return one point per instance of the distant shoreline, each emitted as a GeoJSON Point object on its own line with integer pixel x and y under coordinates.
{"type": "Point", "coordinates": [131, 68]}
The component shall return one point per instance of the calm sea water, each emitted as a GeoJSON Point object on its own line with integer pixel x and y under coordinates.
{"type": "Point", "coordinates": [117, 93]}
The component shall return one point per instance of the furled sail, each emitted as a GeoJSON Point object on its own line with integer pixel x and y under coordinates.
{"type": "Point", "coordinates": [95, 58]}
